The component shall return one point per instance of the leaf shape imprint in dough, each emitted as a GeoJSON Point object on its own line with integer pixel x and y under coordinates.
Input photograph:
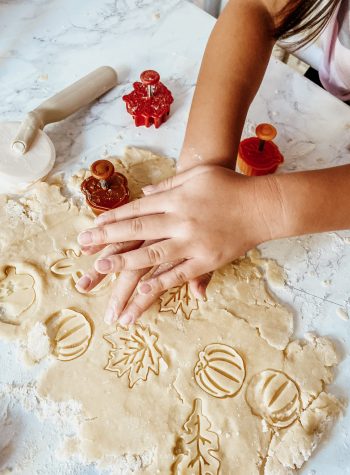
{"type": "Point", "coordinates": [219, 371]}
{"type": "Point", "coordinates": [70, 334]}
{"type": "Point", "coordinates": [75, 266]}
{"type": "Point", "coordinates": [134, 351]}
{"type": "Point", "coordinates": [16, 295]}
{"type": "Point", "coordinates": [197, 449]}
{"type": "Point", "coordinates": [275, 397]}
{"type": "Point", "coordinates": [178, 300]}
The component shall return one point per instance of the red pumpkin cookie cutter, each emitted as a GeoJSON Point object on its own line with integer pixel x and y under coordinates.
{"type": "Point", "coordinates": [259, 155]}
{"type": "Point", "coordinates": [106, 189]}
{"type": "Point", "coordinates": [149, 102]}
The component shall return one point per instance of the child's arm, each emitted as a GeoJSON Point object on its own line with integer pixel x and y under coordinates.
{"type": "Point", "coordinates": [232, 69]}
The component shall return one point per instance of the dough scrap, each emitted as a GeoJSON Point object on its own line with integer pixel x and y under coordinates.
{"type": "Point", "coordinates": [240, 288]}
{"type": "Point", "coordinates": [289, 450]}
{"type": "Point", "coordinates": [135, 415]}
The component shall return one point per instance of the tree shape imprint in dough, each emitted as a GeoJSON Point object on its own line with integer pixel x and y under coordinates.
{"type": "Point", "coordinates": [134, 351]}
{"type": "Point", "coordinates": [273, 396]}
{"type": "Point", "coordinates": [220, 371]}
{"type": "Point", "coordinates": [70, 334]}
{"type": "Point", "coordinates": [75, 266]}
{"type": "Point", "coordinates": [196, 450]}
{"type": "Point", "coordinates": [178, 300]}
{"type": "Point", "coordinates": [17, 294]}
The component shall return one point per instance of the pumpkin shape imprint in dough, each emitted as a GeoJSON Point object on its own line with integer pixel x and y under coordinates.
{"type": "Point", "coordinates": [220, 370]}
{"type": "Point", "coordinates": [273, 396]}
{"type": "Point", "coordinates": [17, 294]}
{"type": "Point", "coordinates": [70, 334]}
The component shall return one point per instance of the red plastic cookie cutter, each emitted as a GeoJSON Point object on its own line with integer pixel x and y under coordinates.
{"type": "Point", "coordinates": [149, 102]}
{"type": "Point", "coordinates": [106, 189]}
{"type": "Point", "coordinates": [259, 155]}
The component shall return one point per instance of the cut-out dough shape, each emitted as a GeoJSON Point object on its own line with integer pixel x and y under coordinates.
{"type": "Point", "coordinates": [16, 295]}
{"type": "Point", "coordinates": [197, 449]}
{"type": "Point", "coordinates": [70, 334]}
{"type": "Point", "coordinates": [273, 396]}
{"type": "Point", "coordinates": [75, 266]}
{"type": "Point", "coordinates": [179, 300]}
{"type": "Point", "coordinates": [135, 351]}
{"type": "Point", "coordinates": [220, 370]}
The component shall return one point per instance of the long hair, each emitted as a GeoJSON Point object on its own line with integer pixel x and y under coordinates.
{"type": "Point", "coordinates": [303, 19]}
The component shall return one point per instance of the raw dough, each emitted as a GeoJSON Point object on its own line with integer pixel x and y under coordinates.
{"type": "Point", "coordinates": [187, 387]}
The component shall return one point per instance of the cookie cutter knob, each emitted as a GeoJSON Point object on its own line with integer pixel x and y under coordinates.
{"type": "Point", "coordinates": [265, 133]}
{"type": "Point", "coordinates": [102, 170]}
{"type": "Point", "coordinates": [150, 78]}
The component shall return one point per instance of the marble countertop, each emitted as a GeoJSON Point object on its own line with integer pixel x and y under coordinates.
{"type": "Point", "coordinates": [47, 44]}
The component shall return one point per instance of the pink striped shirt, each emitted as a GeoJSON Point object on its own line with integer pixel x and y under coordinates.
{"type": "Point", "coordinates": [335, 67]}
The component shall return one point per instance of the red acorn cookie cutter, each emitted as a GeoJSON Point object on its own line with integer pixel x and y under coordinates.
{"type": "Point", "coordinates": [149, 102]}
{"type": "Point", "coordinates": [259, 155]}
{"type": "Point", "coordinates": [106, 189]}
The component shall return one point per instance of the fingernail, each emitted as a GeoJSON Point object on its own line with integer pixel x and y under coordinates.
{"type": "Point", "coordinates": [144, 288]}
{"type": "Point", "coordinates": [85, 238]}
{"type": "Point", "coordinates": [83, 283]}
{"type": "Point", "coordinates": [125, 319]}
{"type": "Point", "coordinates": [110, 315]}
{"type": "Point", "coordinates": [104, 265]}
{"type": "Point", "coordinates": [147, 189]}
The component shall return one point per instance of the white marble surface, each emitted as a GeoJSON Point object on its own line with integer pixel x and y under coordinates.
{"type": "Point", "coordinates": [46, 44]}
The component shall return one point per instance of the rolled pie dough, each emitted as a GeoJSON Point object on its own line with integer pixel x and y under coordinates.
{"type": "Point", "coordinates": [201, 387]}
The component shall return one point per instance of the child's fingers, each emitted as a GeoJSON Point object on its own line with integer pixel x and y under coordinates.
{"type": "Point", "coordinates": [147, 256]}
{"type": "Point", "coordinates": [136, 307]}
{"type": "Point", "coordinates": [159, 226]}
{"type": "Point", "coordinates": [90, 250]}
{"type": "Point", "coordinates": [89, 281]}
{"type": "Point", "coordinates": [122, 291]}
{"type": "Point", "coordinates": [198, 286]}
{"type": "Point", "coordinates": [92, 278]}
{"type": "Point", "coordinates": [118, 247]}
{"type": "Point", "coordinates": [140, 207]}
{"type": "Point", "coordinates": [181, 273]}
{"type": "Point", "coordinates": [140, 303]}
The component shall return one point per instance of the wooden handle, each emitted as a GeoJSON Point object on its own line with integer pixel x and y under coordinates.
{"type": "Point", "coordinates": [266, 132]}
{"type": "Point", "coordinates": [65, 103]}
{"type": "Point", "coordinates": [102, 169]}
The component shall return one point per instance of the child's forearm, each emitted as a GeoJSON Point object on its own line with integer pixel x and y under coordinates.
{"type": "Point", "coordinates": [232, 69]}
{"type": "Point", "coordinates": [312, 202]}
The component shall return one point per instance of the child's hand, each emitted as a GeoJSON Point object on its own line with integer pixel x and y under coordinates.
{"type": "Point", "coordinates": [200, 219]}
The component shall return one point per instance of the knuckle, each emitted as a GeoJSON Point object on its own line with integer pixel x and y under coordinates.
{"type": "Point", "coordinates": [102, 235]}
{"type": "Point", "coordinates": [136, 308]}
{"type": "Point", "coordinates": [136, 226]}
{"type": "Point", "coordinates": [159, 284]}
{"type": "Point", "coordinates": [180, 276]}
{"type": "Point", "coordinates": [136, 206]}
{"type": "Point", "coordinates": [112, 249]}
{"type": "Point", "coordinates": [155, 254]}
{"type": "Point", "coordinates": [168, 182]}
{"type": "Point", "coordinates": [121, 262]}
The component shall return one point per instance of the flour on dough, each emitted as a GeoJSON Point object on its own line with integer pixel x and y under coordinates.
{"type": "Point", "coordinates": [231, 363]}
